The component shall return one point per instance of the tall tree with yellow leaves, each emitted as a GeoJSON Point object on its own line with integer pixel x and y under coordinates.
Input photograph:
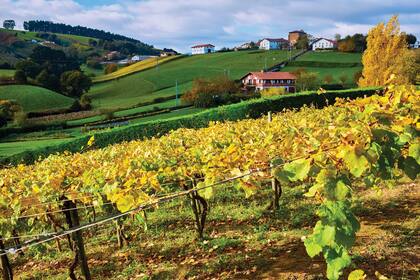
{"type": "Point", "coordinates": [387, 54]}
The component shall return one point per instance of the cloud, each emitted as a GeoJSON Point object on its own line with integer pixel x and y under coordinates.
{"type": "Point", "coordinates": [182, 23]}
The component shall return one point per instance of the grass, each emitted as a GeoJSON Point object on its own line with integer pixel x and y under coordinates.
{"type": "Point", "coordinates": [133, 68]}
{"type": "Point", "coordinates": [35, 99]}
{"type": "Point", "coordinates": [242, 240]}
{"type": "Point", "coordinates": [332, 56]}
{"type": "Point", "coordinates": [7, 72]}
{"type": "Point", "coordinates": [11, 148]}
{"type": "Point", "coordinates": [160, 81]}
{"type": "Point", "coordinates": [336, 73]}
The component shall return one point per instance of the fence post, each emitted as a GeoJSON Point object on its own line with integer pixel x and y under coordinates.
{"type": "Point", "coordinates": [72, 218]}
{"type": "Point", "coordinates": [275, 184]}
{"type": "Point", "coordinates": [5, 264]}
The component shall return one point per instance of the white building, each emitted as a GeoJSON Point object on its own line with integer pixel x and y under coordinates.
{"type": "Point", "coordinates": [202, 49]}
{"type": "Point", "coordinates": [322, 43]}
{"type": "Point", "coordinates": [273, 44]}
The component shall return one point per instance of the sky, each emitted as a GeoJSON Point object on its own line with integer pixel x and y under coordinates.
{"type": "Point", "coordinates": [179, 24]}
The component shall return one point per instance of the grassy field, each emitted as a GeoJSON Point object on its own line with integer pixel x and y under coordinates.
{"type": "Point", "coordinates": [340, 57]}
{"type": "Point", "coordinates": [133, 68]}
{"type": "Point", "coordinates": [243, 240]}
{"type": "Point", "coordinates": [35, 99]}
{"type": "Point", "coordinates": [336, 73]}
{"type": "Point", "coordinates": [160, 81]}
{"type": "Point", "coordinates": [7, 72]}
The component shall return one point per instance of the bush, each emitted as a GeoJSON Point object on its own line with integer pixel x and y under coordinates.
{"type": "Point", "coordinates": [20, 118]}
{"type": "Point", "coordinates": [110, 68]}
{"type": "Point", "coordinates": [273, 92]}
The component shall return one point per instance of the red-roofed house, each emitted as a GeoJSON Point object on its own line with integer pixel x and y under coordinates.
{"type": "Point", "coordinates": [265, 80]}
{"type": "Point", "coordinates": [322, 43]}
{"type": "Point", "coordinates": [273, 44]}
{"type": "Point", "coordinates": [202, 49]}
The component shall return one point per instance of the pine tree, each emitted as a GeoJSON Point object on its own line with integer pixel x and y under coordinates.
{"type": "Point", "coordinates": [387, 54]}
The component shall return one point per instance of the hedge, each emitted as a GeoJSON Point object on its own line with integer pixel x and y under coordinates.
{"type": "Point", "coordinates": [323, 64]}
{"type": "Point", "coordinates": [254, 108]}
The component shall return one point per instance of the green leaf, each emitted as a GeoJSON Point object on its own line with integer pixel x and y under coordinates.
{"type": "Point", "coordinates": [296, 170]}
{"type": "Point", "coordinates": [327, 235]}
{"type": "Point", "coordinates": [336, 265]}
{"type": "Point", "coordinates": [357, 274]}
{"type": "Point", "coordinates": [414, 152]}
{"type": "Point", "coordinates": [312, 248]}
{"type": "Point", "coordinates": [341, 190]}
{"type": "Point", "coordinates": [410, 167]}
{"type": "Point", "coordinates": [357, 164]}
{"type": "Point", "coordinates": [206, 193]}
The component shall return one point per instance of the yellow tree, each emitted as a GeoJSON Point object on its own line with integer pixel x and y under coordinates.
{"type": "Point", "coordinates": [387, 53]}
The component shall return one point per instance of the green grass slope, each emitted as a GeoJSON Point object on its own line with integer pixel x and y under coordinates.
{"type": "Point", "coordinates": [332, 63]}
{"type": "Point", "coordinates": [160, 81]}
{"type": "Point", "coordinates": [7, 72]}
{"type": "Point", "coordinates": [35, 99]}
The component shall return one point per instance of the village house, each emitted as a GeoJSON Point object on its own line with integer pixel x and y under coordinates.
{"type": "Point", "coordinates": [202, 49]}
{"type": "Point", "coordinates": [323, 44]}
{"type": "Point", "coordinates": [273, 44]}
{"type": "Point", "coordinates": [294, 36]}
{"type": "Point", "coordinates": [112, 55]}
{"type": "Point", "coordinates": [265, 80]}
{"type": "Point", "coordinates": [168, 52]}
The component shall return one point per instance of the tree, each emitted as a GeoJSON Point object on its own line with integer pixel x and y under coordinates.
{"type": "Point", "coordinates": [386, 56]}
{"type": "Point", "coordinates": [337, 37]}
{"type": "Point", "coordinates": [346, 45]}
{"type": "Point", "coordinates": [8, 109]}
{"type": "Point", "coordinates": [328, 79]}
{"type": "Point", "coordinates": [302, 43]}
{"type": "Point", "coordinates": [75, 83]}
{"type": "Point", "coordinates": [306, 80]}
{"type": "Point", "coordinates": [411, 39]}
{"type": "Point", "coordinates": [9, 24]}
{"type": "Point", "coordinates": [343, 79]}
{"type": "Point", "coordinates": [20, 77]}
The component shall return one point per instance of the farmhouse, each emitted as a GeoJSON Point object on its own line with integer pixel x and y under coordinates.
{"type": "Point", "coordinates": [202, 49]}
{"type": "Point", "coordinates": [294, 36]}
{"type": "Point", "coordinates": [273, 44]}
{"type": "Point", "coordinates": [265, 80]}
{"type": "Point", "coordinates": [322, 44]}
{"type": "Point", "coordinates": [168, 52]}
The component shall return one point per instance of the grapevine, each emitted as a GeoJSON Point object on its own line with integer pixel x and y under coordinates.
{"type": "Point", "coordinates": [334, 150]}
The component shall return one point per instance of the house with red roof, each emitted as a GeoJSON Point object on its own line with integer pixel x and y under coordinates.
{"type": "Point", "coordinates": [323, 44]}
{"type": "Point", "coordinates": [265, 80]}
{"type": "Point", "coordinates": [202, 49]}
{"type": "Point", "coordinates": [273, 44]}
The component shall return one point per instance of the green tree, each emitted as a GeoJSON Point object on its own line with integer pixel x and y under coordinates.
{"type": "Point", "coordinates": [328, 79]}
{"type": "Point", "coordinates": [110, 68]}
{"type": "Point", "coordinates": [302, 43]}
{"type": "Point", "coordinates": [20, 77]}
{"type": "Point", "coordinates": [8, 110]}
{"type": "Point", "coordinates": [307, 81]}
{"type": "Point", "coordinates": [75, 83]}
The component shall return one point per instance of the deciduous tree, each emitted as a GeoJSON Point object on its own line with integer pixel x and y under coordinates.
{"type": "Point", "coordinates": [387, 54]}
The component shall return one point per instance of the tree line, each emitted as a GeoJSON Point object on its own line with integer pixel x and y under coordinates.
{"type": "Point", "coordinates": [49, 26]}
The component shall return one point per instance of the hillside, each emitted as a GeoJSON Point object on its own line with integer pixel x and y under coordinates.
{"type": "Point", "coordinates": [160, 81]}
{"type": "Point", "coordinates": [133, 68]}
{"type": "Point", "coordinates": [35, 99]}
{"type": "Point", "coordinates": [335, 64]}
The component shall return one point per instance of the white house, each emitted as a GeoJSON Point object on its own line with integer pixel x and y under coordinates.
{"type": "Point", "coordinates": [202, 49]}
{"type": "Point", "coordinates": [322, 43]}
{"type": "Point", "coordinates": [273, 44]}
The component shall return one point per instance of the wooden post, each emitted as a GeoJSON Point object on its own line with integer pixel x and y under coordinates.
{"type": "Point", "coordinates": [269, 117]}
{"type": "Point", "coordinates": [72, 218]}
{"type": "Point", "coordinates": [5, 264]}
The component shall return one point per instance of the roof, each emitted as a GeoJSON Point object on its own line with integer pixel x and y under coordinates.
{"type": "Point", "coordinates": [281, 40]}
{"type": "Point", "coordinates": [319, 39]}
{"type": "Point", "coordinates": [272, 75]}
{"type": "Point", "coordinates": [204, 45]}
{"type": "Point", "coordinates": [298, 31]}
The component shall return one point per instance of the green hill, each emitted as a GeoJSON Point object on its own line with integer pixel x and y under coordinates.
{"type": "Point", "coordinates": [35, 99]}
{"type": "Point", "coordinates": [160, 81]}
{"type": "Point", "coordinates": [336, 64]}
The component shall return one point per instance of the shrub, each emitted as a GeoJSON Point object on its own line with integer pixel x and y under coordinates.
{"type": "Point", "coordinates": [273, 92]}
{"type": "Point", "coordinates": [328, 79]}
{"type": "Point", "coordinates": [20, 118]}
{"type": "Point", "coordinates": [110, 68]}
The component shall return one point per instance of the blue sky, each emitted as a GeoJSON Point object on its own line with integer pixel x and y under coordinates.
{"type": "Point", "coordinates": [181, 23]}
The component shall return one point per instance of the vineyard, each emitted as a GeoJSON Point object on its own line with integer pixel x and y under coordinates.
{"type": "Point", "coordinates": [331, 153]}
